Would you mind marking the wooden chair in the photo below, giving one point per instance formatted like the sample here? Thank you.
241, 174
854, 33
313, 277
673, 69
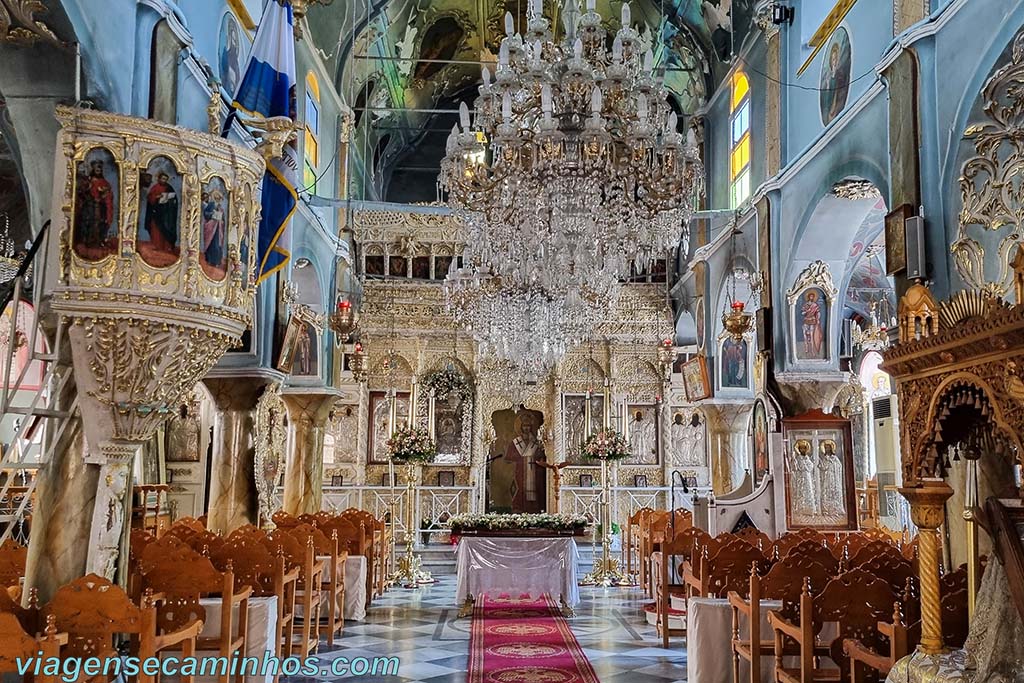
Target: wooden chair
756, 538
303, 638
787, 541
265, 573
379, 538
634, 525
660, 524
885, 561
19, 645
183, 577
333, 585
93, 611
714, 574
355, 540
679, 546
282, 520
783, 582
855, 601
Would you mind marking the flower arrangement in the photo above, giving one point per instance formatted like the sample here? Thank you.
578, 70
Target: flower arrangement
501, 522
607, 444
448, 381
411, 444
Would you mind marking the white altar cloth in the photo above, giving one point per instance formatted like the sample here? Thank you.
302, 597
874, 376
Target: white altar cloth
259, 636
709, 638
496, 565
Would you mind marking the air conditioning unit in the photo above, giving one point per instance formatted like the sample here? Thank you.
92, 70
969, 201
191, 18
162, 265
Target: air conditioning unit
887, 435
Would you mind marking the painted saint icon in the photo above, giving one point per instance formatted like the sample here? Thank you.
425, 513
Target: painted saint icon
835, 75
231, 54
213, 255
812, 316
734, 364
159, 198
97, 205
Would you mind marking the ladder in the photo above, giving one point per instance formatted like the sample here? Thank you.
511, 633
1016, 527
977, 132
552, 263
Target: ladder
32, 380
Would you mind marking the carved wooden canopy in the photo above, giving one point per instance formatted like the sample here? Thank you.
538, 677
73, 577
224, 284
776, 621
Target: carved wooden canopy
970, 367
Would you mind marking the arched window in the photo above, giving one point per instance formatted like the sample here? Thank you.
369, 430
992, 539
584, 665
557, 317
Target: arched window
311, 149
739, 142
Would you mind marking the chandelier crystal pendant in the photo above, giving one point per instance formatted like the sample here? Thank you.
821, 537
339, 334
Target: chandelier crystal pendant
570, 174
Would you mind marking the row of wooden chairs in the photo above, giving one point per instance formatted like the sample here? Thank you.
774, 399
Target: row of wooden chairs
711, 567
359, 533
90, 617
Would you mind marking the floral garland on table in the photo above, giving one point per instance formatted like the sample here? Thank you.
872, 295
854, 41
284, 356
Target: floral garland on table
447, 381
606, 444
411, 444
495, 522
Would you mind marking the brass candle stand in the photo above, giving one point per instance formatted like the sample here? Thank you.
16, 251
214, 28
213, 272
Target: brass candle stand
410, 574
606, 570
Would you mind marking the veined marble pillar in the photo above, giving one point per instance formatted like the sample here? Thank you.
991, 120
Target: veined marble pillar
727, 444
927, 510
303, 470
232, 480
111, 514
62, 515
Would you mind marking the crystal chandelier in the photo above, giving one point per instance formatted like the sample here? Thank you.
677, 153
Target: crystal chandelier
571, 171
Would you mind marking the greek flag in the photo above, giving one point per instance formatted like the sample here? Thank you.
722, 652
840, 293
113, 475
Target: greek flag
268, 89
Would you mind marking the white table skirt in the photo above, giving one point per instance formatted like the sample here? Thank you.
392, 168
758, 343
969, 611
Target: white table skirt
709, 641
496, 565
259, 636
355, 588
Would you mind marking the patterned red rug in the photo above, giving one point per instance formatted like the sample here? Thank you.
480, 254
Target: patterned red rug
524, 640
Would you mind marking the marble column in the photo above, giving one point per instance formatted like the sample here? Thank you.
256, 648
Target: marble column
111, 511
62, 513
928, 511
727, 444
303, 470
232, 480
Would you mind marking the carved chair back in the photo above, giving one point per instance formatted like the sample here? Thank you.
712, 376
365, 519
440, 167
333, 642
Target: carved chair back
856, 601
21, 645
794, 538
283, 520
729, 568
91, 610
756, 538
812, 550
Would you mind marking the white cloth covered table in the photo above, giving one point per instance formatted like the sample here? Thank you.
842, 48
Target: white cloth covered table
355, 588
709, 641
496, 565
259, 636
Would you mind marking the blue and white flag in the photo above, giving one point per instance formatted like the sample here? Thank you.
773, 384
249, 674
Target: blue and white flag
268, 89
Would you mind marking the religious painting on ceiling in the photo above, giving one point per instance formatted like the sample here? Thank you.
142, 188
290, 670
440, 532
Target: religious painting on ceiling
380, 422
689, 446
642, 434
213, 256
233, 49
759, 434
811, 313
97, 205
576, 430
159, 205
819, 472
735, 363
835, 75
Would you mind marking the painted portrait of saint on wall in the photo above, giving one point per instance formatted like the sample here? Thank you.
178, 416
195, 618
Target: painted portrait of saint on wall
835, 75
574, 412
232, 53
734, 364
97, 205
159, 211
760, 439
811, 315
695, 379
213, 253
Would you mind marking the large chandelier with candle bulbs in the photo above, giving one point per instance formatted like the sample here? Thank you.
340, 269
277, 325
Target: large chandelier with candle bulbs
569, 175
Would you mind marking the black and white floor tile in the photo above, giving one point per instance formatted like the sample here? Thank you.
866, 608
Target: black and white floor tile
421, 628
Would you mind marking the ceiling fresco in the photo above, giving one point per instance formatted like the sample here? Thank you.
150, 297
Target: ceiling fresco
405, 65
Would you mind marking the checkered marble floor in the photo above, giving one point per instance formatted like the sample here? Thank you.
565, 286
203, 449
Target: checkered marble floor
421, 628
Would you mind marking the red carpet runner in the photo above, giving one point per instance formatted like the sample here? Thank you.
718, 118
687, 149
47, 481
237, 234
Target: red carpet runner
524, 640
